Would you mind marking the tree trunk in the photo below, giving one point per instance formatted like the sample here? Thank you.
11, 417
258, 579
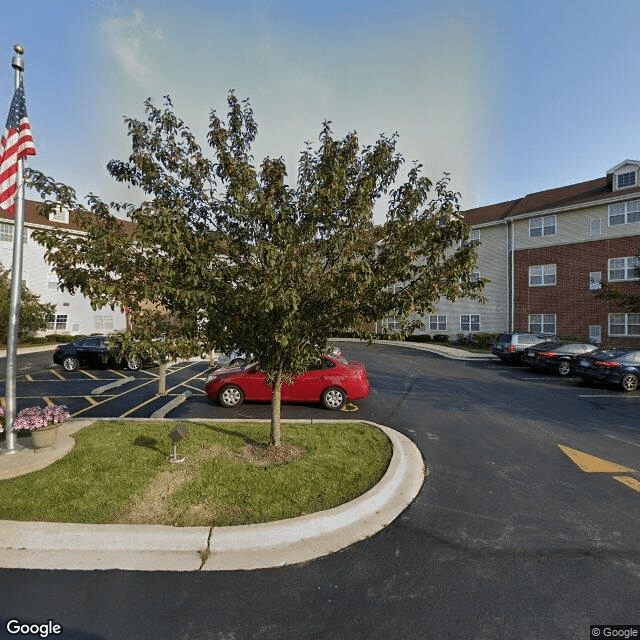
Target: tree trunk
275, 409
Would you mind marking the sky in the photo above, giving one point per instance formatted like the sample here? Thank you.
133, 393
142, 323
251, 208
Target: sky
509, 97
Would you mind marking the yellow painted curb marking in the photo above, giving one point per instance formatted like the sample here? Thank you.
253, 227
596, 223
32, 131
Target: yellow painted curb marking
592, 464
630, 482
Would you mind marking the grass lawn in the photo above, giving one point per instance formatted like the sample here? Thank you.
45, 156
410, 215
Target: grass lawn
118, 472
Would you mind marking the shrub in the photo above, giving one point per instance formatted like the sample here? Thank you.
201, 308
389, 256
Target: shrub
424, 337
441, 337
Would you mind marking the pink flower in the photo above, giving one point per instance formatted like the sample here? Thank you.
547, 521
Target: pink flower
37, 418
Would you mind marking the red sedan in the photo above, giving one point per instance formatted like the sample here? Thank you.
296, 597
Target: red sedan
333, 381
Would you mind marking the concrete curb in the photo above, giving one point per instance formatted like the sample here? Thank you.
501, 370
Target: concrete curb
171, 405
45, 545
112, 385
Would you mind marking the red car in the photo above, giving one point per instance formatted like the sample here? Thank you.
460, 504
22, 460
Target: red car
333, 381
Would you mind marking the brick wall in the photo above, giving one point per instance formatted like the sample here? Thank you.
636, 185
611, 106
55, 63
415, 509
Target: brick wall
575, 306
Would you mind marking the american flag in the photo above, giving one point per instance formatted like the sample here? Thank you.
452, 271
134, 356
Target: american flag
16, 144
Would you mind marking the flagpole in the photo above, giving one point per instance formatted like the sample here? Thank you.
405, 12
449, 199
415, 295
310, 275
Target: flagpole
16, 286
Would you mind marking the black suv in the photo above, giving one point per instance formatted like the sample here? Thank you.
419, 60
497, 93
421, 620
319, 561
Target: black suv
510, 345
93, 352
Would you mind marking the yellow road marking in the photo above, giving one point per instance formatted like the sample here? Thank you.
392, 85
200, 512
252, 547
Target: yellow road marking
28, 377
117, 373
57, 374
91, 400
630, 482
48, 401
592, 464
89, 375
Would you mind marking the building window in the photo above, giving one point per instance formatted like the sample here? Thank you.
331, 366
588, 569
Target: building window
52, 284
627, 179
545, 226
624, 324
542, 323
474, 235
624, 269
595, 334
6, 233
470, 322
58, 324
624, 212
437, 323
542, 275
595, 227
595, 280
103, 324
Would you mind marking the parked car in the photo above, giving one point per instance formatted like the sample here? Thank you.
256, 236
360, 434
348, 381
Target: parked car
332, 381
234, 358
558, 357
619, 366
510, 345
94, 352
238, 358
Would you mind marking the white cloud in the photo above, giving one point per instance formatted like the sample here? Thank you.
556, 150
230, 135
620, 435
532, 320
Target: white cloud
129, 40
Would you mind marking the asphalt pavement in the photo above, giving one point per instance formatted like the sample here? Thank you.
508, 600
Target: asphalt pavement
44, 545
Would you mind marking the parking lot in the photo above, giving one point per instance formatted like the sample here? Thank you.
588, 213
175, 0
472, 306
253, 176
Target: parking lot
122, 393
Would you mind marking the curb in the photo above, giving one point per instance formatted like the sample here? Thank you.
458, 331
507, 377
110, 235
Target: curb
46, 545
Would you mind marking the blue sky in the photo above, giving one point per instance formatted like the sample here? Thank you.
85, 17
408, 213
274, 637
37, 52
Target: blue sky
509, 97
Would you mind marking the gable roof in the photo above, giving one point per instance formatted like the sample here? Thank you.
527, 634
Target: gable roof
32, 216
588, 192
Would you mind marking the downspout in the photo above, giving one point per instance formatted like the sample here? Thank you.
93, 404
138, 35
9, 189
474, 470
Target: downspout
513, 275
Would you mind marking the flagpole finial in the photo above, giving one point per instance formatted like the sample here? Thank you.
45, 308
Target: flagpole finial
17, 62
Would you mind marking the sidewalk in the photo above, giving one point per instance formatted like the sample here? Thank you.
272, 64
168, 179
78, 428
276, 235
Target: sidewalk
452, 353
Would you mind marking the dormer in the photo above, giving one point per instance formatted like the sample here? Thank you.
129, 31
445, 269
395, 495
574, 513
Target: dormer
624, 175
59, 215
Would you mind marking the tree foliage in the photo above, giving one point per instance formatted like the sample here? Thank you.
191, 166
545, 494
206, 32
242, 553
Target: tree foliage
34, 314
229, 254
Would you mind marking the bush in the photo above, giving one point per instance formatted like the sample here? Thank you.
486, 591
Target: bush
424, 337
441, 337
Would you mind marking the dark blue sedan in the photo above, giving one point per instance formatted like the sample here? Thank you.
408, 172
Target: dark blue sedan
620, 366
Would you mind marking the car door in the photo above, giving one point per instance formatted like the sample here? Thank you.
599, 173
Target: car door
253, 383
89, 352
307, 386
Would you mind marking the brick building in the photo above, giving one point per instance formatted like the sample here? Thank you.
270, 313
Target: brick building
547, 254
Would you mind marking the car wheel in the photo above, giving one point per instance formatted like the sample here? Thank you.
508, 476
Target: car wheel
564, 368
70, 363
238, 362
333, 398
230, 396
134, 363
629, 382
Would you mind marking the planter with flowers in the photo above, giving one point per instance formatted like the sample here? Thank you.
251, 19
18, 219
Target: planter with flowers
43, 424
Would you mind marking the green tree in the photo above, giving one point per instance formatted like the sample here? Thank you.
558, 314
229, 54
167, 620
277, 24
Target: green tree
233, 256
34, 314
